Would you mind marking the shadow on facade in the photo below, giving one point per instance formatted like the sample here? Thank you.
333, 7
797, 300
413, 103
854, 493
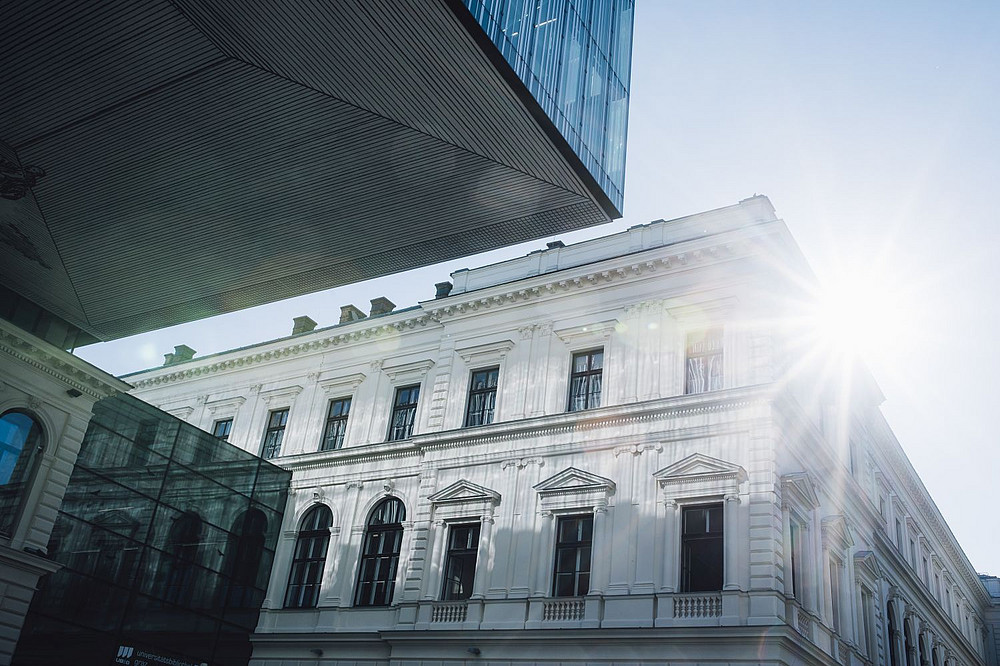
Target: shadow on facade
166, 538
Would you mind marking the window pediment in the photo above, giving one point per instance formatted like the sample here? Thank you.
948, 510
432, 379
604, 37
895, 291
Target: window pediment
462, 500
800, 489
285, 394
482, 354
225, 406
574, 488
462, 492
342, 383
837, 533
700, 475
587, 334
407, 372
866, 563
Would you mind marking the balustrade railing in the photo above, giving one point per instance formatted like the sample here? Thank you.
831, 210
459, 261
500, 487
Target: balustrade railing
698, 606
563, 610
450, 612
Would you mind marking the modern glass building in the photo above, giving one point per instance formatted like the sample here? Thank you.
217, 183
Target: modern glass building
165, 538
575, 57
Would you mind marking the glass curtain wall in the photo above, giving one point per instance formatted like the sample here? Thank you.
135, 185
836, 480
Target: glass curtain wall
165, 537
575, 57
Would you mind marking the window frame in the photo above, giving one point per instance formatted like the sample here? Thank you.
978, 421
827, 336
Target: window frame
330, 421
690, 355
381, 529
687, 540
27, 461
487, 414
407, 431
578, 547
319, 519
463, 555
587, 376
229, 431
278, 430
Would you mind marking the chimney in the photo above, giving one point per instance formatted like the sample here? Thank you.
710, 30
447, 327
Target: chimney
552, 245
381, 305
302, 324
181, 353
349, 313
442, 289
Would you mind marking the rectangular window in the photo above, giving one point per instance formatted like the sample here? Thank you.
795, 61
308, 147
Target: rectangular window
913, 553
482, 397
927, 581
937, 587
702, 549
574, 537
336, 424
404, 413
276, 423
795, 536
586, 380
222, 428
868, 622
704, 361
899, 534
460, 565
835, 594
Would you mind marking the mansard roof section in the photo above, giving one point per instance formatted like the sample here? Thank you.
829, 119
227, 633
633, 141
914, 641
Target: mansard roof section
754, 217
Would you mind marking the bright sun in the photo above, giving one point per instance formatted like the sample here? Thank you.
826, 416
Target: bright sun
868, 313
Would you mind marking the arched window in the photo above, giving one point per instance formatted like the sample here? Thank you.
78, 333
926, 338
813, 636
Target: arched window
310, 556
21, 439
380, 554
181, 570
244, 551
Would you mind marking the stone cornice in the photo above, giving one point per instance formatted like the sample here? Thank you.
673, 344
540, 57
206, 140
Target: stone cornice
925, 507
345, 335
72, 371
624, 269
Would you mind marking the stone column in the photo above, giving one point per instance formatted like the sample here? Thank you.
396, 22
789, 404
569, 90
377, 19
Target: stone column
599, 574
731, 542
671, 556
484, 560
543, 545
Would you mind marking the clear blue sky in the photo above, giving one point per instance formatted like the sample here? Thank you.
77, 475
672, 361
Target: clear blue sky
873, 127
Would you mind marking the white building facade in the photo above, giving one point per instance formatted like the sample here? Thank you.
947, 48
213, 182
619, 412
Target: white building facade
46, 399
620, 451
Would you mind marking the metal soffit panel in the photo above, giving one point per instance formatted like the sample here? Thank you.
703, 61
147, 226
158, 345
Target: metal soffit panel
193, 171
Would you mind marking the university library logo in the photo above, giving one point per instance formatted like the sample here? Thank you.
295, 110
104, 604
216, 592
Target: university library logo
124, 655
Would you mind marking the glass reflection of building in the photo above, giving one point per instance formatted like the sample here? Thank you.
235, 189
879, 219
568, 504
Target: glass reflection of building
165, 537
575, 57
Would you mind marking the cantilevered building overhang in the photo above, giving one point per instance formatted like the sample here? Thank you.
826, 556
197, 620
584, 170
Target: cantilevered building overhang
205, 156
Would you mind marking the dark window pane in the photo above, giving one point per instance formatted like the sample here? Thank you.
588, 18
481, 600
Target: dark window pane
482, 397
223, 428
404, 413
573, 551
702, 549
380, 554
585, 381
276, 423
310, 557
336, 424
